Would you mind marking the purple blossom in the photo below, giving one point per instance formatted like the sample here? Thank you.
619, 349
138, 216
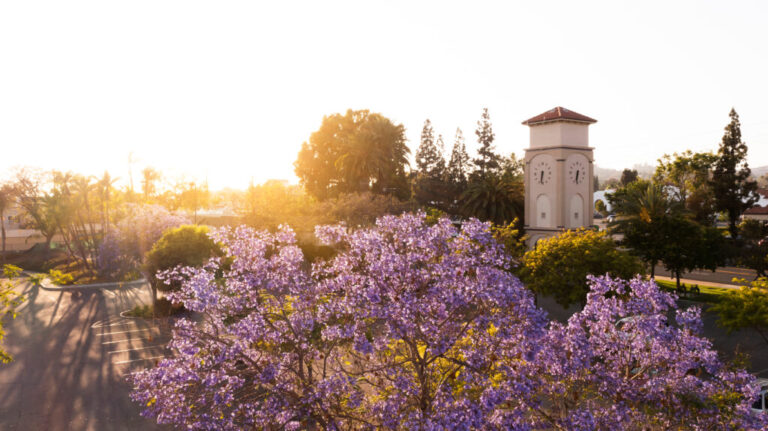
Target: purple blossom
423, 327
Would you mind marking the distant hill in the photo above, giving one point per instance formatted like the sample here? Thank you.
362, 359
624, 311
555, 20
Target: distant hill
759, 171
645, 171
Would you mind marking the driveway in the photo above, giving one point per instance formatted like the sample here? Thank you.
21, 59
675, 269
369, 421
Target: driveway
71, 354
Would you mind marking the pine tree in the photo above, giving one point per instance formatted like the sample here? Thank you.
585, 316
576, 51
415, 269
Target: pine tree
734, 191
459, 164
429, 160
487, 160
440, 166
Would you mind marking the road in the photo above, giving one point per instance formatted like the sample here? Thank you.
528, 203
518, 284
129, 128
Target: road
71, 355
723, 275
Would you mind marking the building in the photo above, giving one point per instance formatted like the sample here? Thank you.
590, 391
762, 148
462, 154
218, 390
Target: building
558, 174
760, 210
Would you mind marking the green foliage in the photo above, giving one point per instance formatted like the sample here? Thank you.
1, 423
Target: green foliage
559, 265
37, 279
433, 215
459, 164
360, 209
628, 176
657, 228
734, 191
493, 198
60, 278
429, 157
689, 174
746, 308
487, 161
11, 271
513, 239
186, 246
601, 208
688, 246
642, 209
753, 245
9, 301
356, 152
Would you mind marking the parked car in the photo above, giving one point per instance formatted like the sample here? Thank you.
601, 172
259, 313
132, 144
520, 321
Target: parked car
761, 403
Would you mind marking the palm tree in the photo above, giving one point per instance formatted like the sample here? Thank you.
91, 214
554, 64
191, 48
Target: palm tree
643, 209
105, 186
149, 177
494, 198
373, 155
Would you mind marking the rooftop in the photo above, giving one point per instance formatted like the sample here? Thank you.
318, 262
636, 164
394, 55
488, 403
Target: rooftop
559, 114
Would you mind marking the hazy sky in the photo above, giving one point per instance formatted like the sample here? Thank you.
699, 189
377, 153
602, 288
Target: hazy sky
229, 90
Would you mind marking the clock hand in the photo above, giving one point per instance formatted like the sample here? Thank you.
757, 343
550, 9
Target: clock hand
577, 176
542, 177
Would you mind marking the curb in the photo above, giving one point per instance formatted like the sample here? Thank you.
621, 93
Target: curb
46, 284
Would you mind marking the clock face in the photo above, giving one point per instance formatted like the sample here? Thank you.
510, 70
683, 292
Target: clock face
577, 172
542, 173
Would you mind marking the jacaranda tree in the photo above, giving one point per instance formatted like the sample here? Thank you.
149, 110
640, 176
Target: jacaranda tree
620, 364
414, 326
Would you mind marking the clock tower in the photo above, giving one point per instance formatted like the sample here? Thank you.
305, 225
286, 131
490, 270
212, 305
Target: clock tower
558, 174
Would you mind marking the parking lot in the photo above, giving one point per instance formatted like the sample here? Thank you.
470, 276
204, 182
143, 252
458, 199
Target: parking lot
72, 352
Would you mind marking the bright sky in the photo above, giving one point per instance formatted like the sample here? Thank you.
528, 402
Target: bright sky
228, 91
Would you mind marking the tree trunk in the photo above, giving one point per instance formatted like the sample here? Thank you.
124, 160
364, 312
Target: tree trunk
677, 276
653, 270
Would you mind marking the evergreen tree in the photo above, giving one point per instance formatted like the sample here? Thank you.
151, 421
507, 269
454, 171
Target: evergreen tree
628, 176
459, 164
430, 188
440, 167
487, 160
429, 159
734, 191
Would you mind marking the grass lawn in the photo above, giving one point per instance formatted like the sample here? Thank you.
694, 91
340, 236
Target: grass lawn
708, 293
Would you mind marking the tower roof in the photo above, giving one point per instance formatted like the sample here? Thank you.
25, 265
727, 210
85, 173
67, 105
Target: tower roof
558, 114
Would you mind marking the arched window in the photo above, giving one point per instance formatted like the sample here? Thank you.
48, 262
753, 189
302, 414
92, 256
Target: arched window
576, 215
544, 212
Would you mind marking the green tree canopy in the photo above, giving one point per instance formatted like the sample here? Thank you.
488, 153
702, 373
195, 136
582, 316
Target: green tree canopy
559, 265
355, 152
734, 191
746, 308
187, 245
459, 164
753, 245
641, 209
628, 176
9, 302
689, 175
487, 161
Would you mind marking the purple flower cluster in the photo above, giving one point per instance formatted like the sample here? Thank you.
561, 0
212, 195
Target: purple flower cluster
413, 326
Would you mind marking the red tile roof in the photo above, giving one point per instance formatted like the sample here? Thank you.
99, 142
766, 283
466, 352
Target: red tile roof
756, 210
558, 114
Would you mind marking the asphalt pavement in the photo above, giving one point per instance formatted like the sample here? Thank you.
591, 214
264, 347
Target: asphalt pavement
72, 351
723, 275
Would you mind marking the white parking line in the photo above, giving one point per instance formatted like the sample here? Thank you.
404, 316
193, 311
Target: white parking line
137, 348
135, 360
125, 332
127, 339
